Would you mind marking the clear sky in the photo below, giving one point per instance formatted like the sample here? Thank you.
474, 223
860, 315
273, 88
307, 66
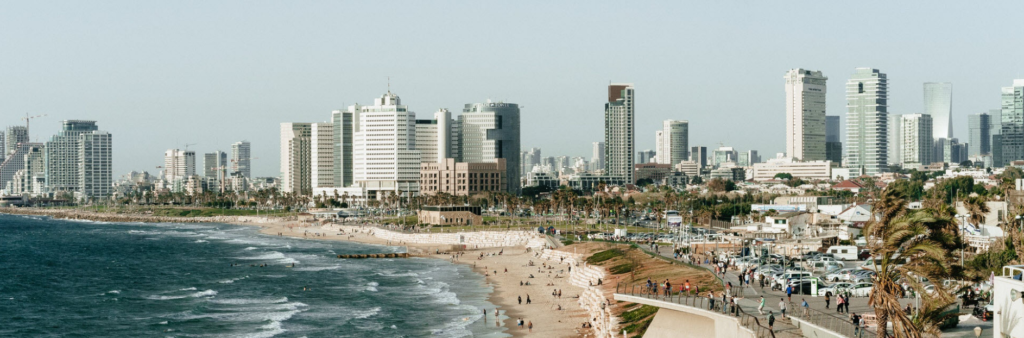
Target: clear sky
159, 75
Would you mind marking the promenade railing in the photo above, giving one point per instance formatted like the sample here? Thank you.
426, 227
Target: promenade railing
841, 324
704, 303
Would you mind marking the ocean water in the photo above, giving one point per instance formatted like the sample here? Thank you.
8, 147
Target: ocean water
92, 279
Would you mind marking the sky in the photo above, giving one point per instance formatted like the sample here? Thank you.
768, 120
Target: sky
160, 75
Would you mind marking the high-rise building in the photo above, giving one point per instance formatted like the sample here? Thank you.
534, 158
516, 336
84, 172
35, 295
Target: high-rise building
724, 155
753, 157
14, 135
344, 130
296, 161
79, 160
240, 159
895, 139
384, 148
659, 146
867, 121
3, 148
619, 135
979, 127
179, 165
1012, 139
938, 102
699, 155
674, 142
530, 159
917, 140
833, 142
646, 156
321, 156
597, 157
805, 114
434, 138
215, 166
490, 130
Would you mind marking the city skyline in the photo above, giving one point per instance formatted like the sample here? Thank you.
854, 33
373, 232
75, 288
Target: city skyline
78, 73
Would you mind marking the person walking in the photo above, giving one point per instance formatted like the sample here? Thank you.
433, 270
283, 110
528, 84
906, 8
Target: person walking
530, 326
807, 307
789, 294
528, 299
520, 300
856, 324
760, 307
771, 321
846, 304
782, 307
828, 297
839, 304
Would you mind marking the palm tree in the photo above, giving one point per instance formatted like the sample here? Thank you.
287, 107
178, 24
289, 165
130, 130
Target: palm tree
921, 240
977, 208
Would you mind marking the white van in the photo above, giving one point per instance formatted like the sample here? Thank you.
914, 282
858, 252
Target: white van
844, 252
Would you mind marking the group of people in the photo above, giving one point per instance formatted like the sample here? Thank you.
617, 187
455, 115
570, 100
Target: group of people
842, 302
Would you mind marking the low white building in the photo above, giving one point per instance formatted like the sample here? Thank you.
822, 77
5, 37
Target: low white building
808, 170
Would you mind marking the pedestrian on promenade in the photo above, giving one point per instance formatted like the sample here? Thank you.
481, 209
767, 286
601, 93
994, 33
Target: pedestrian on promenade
687, 286
846, 303
760, 307
806, 307
856, 324
789, 293
771, 321
711, 300
828, 297
839, 304
782, 307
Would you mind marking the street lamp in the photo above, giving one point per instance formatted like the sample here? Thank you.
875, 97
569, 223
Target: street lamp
963, 237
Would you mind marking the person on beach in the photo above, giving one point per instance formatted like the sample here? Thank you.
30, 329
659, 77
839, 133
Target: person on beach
530, 326
528, 299
520, 297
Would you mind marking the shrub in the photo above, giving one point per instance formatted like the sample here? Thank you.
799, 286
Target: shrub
604, 255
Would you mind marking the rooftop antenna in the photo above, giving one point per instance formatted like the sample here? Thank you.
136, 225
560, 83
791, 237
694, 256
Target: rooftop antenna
389, 84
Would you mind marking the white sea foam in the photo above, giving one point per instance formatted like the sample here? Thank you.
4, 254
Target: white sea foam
114, 292
266, 256
206, 293
251, 248
201, 241
229, 281
246, 301
366, 313
319, 268
188, 289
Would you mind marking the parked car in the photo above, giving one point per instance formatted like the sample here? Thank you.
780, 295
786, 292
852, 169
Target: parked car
861, 289
863, 277
838, 275
835, 288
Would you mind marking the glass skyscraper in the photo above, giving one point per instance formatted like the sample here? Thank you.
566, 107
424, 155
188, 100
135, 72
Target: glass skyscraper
1012, 135
867, 121
938, 102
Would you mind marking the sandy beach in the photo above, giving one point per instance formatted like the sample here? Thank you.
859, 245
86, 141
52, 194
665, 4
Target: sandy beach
507, 270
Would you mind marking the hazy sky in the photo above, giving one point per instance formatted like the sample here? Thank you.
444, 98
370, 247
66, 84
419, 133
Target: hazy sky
161, 74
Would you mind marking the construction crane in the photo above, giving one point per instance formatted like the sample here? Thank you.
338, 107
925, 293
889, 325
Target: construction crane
28, 118
189, 144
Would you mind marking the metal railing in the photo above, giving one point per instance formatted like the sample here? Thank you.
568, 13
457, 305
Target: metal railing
704, 303
842, 325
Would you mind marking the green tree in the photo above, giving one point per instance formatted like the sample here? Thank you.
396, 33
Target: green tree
784, 176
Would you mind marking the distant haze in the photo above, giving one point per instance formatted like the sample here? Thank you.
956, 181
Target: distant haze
158, 75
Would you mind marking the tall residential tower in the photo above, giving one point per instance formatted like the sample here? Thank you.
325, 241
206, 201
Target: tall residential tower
619, 133
867, 121
805, 114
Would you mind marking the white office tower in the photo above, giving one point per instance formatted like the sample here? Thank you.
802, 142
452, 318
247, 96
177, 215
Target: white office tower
296, 163
14, 135
867, 121
597, 156
23, 172
179, 165
895, 138
490, 131
1012, 134
531, 158
434, 137
619, 141
938, 102
321, 155
917, 140
674, 142
384, 150
805, 114
215, 168
3, 149
79, 160
240, 159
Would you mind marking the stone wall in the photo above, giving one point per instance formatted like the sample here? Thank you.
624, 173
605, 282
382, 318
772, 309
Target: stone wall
592, 299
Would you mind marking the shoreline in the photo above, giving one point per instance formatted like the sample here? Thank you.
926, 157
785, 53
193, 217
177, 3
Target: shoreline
547, 319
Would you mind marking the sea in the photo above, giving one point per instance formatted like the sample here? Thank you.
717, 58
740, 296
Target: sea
61, 278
